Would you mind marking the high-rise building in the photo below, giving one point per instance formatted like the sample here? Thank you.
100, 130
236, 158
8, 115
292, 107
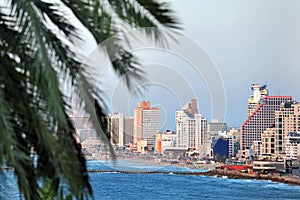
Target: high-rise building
116, 128
129, 130
214, 129
261, 118
82, 124
287, 120
233, 146
190, 127
146, 121
258, 91
234, 141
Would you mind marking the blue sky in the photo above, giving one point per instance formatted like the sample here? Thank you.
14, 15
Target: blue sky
249, 41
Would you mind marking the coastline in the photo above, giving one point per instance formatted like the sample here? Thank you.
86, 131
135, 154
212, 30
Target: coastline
240, 175
218, 173
211, 171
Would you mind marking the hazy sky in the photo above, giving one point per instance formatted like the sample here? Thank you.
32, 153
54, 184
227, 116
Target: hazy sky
249, 41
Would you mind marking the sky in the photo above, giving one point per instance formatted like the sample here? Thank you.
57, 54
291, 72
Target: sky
244, 42
250, 42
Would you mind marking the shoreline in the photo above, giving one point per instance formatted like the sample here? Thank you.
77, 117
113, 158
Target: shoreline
211, 171
217, 173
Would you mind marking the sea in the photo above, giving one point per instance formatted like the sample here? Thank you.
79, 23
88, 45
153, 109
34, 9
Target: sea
169, 186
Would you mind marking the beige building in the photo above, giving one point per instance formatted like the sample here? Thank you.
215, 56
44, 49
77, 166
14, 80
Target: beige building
191, 128
268, 144
129, 121
82, 124
234, 132
287, 119
116, 128
142, 146
146, 122
260, 119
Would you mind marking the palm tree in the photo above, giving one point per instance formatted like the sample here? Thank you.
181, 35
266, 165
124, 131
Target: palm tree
37, 50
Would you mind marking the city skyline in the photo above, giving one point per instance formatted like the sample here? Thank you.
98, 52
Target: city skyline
166, 125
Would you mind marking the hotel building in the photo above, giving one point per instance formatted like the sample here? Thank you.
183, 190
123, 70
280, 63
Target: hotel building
261, 115
190, 127
287, 120
146, 122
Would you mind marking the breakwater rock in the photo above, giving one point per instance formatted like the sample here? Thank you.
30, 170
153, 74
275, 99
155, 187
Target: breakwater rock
218, 173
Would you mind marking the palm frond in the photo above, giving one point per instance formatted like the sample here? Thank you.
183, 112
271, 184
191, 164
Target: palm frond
38, 50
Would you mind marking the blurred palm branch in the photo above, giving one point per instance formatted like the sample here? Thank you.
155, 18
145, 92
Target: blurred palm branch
39, 48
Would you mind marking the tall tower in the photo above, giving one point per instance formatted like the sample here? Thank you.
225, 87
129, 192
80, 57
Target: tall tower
287, 119
129, 130
214, 129
190, 127
261, 115
82, 123
116, 128
146, 121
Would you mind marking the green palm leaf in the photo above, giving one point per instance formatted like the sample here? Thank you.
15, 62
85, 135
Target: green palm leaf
39, 49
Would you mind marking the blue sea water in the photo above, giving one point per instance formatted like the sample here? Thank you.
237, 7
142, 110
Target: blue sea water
112, 185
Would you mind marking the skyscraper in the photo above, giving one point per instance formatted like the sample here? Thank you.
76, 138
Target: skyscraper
287, 120
190, 127
260, 117
214, 128
82, 124
146, 121
129, 130
116, 128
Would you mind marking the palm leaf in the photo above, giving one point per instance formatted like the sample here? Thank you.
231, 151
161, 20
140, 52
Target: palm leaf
38, 50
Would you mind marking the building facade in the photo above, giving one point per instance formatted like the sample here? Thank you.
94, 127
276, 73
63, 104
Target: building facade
190, 127
258, 91
214, 130
287, 120
268, 144
82, 124
260, 119
129, 121
146, 122
116, 128
293, 146
215, 127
